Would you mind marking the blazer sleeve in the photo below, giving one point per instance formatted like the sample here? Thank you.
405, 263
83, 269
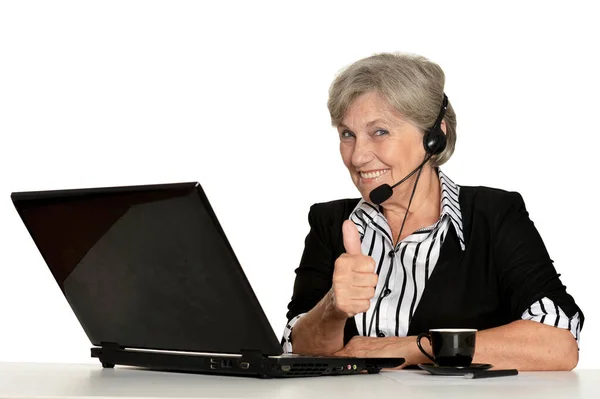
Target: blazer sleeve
526, 273
315, 273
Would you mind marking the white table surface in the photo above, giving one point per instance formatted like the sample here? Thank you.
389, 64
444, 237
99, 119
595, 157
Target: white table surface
36, 380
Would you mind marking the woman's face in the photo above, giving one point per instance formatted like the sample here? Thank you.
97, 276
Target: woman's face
377, 145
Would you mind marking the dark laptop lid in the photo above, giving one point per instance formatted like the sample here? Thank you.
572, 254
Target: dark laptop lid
147, 267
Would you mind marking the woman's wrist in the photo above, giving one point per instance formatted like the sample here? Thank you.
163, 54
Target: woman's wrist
415, 356
330, 312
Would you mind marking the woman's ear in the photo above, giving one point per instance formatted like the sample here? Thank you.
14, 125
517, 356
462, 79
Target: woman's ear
443, 126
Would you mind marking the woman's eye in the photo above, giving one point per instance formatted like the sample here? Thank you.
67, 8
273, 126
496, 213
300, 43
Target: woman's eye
346, 134
381, 132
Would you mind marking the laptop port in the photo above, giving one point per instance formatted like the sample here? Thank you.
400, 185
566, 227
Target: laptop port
339, 368
286, 368
226, 364
244, 365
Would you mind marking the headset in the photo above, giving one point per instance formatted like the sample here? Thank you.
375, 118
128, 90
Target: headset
434, 141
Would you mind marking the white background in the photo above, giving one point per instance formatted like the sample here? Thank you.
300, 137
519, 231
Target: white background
233, 95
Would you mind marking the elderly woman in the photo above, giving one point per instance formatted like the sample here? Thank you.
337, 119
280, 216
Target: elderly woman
427, 253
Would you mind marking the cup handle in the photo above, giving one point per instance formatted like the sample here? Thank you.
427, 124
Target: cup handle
421, 336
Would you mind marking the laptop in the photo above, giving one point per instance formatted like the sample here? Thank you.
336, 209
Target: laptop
154, 282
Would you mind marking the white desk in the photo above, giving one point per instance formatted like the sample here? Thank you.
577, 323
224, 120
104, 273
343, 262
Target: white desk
31, 380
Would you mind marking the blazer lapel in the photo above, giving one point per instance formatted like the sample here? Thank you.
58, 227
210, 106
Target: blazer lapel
450, 258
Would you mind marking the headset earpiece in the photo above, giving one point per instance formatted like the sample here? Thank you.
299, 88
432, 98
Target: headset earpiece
434, 139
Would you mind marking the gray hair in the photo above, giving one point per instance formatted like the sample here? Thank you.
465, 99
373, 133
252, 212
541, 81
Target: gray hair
412, 84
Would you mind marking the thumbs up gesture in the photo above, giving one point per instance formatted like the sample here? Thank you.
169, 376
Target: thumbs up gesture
354, 277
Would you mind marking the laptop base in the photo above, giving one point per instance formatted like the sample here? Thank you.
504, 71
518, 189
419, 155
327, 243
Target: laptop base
249, 364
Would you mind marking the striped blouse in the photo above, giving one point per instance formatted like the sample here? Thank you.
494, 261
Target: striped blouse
403, 273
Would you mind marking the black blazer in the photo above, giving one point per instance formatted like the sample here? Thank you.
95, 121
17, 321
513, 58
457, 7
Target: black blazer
504, 269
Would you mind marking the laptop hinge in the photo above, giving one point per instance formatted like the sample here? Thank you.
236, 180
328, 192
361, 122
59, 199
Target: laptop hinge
252, 355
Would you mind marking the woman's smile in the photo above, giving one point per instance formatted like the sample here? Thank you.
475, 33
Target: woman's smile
370, 176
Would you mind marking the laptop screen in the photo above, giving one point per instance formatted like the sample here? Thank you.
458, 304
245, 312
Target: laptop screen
147, 267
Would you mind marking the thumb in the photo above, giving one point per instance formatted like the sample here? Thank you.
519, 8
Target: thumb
351, 238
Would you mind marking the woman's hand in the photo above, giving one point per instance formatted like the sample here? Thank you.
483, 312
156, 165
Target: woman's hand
321, 330
405, 347
354, 277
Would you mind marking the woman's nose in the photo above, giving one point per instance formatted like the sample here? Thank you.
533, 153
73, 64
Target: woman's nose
362, 154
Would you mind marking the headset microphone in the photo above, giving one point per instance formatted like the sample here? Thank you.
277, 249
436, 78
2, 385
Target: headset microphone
382, 193
434, 141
